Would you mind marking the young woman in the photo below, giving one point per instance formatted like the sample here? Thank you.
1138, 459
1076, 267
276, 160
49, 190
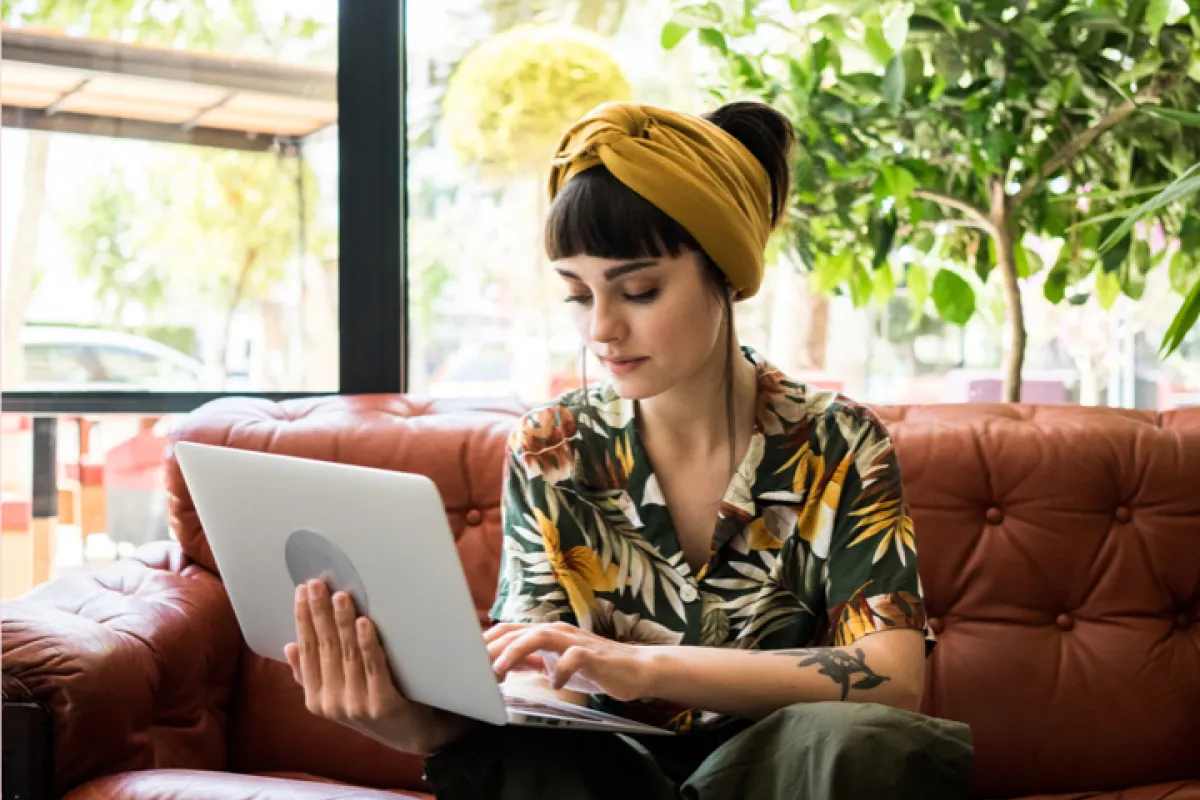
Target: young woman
716, 548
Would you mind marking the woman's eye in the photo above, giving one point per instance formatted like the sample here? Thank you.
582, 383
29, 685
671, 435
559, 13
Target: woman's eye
578, 298
644, 297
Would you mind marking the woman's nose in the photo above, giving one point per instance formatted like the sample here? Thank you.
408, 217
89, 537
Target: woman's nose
606, 324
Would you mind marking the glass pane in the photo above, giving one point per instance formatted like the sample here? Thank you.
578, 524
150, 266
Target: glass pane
110, 476
169, 216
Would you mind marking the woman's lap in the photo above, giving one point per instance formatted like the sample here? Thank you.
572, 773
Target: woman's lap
803, 752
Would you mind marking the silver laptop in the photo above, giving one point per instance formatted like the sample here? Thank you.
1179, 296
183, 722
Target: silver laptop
275, 521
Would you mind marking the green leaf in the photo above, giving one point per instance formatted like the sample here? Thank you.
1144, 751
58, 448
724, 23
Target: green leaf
672, 34
985, 258
954, 297
1133, 283
714, 39
860, 284
1183, 117
1184, 321
917, 280
1186, 184
1182, 271
885, 236
1156, 15
1108, 288
1115, 256
895, 25
899, 181
1056, 285
883, 285
1020, 260
877, 45
938, 88
893, 83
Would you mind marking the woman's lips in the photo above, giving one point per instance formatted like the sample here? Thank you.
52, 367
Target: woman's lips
624, 366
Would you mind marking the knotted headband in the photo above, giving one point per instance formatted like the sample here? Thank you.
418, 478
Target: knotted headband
687, 167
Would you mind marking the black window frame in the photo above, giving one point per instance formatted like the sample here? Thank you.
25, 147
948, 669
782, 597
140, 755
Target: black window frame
372, 227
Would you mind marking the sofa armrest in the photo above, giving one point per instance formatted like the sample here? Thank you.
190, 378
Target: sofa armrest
28, 767
135, 663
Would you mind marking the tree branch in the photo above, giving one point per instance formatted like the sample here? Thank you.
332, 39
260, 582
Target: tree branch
976, 217
935, 224
1080, 142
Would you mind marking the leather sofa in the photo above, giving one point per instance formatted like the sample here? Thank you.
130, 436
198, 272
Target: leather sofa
1059, 550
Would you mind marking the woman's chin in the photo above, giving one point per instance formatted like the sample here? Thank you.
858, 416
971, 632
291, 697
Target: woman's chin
633, 387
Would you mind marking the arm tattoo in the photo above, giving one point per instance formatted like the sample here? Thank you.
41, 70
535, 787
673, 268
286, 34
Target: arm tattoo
837, 665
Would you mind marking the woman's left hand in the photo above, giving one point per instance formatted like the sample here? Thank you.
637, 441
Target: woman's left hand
622, 671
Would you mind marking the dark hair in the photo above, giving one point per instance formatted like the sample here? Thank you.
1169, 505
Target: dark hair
597, 215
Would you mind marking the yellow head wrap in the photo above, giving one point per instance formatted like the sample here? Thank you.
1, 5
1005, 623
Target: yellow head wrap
690, 169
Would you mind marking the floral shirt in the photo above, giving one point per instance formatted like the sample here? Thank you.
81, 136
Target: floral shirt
813, 544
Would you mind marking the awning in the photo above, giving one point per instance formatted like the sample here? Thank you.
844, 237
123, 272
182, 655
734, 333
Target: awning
53, 82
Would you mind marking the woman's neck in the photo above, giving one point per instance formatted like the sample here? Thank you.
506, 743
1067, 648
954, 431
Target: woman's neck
690, 418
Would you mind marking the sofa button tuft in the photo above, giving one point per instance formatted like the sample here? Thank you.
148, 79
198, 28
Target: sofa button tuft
1065, 622
474, 517
994, 515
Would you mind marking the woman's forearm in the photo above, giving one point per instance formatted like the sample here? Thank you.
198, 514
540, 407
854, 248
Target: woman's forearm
885, 668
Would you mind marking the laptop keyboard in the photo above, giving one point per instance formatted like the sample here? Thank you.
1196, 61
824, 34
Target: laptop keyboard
533, 705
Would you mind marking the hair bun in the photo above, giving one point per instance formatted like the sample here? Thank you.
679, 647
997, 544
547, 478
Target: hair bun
769, 136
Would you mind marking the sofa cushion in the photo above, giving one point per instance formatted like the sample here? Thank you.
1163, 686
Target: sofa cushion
185, 784
1185, 790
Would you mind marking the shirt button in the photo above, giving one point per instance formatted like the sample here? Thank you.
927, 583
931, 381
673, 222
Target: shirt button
688, 593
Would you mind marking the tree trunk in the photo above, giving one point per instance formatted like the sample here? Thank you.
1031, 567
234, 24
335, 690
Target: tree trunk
239, 288
1014, 318
22, 263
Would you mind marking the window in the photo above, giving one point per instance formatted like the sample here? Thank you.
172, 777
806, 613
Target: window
170, 177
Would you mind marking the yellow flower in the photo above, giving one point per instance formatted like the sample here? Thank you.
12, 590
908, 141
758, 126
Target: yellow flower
578, 570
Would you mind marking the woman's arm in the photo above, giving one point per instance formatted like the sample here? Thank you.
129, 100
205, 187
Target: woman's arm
886, 667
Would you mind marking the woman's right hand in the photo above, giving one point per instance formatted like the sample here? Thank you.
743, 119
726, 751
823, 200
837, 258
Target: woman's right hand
341, 664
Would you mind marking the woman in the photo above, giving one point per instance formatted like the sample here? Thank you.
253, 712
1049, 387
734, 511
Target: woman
712, 546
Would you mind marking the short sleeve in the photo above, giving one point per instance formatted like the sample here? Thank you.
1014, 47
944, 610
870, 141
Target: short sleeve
528, 589
873, 584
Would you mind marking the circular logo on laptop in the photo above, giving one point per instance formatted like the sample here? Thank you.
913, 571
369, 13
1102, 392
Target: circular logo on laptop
310, 555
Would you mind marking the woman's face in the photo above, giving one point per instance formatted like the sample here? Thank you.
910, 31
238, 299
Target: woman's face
652, 322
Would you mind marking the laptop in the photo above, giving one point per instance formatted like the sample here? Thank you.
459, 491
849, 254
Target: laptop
276, 521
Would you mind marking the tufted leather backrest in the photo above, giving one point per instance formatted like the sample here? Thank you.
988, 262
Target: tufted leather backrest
1059, 549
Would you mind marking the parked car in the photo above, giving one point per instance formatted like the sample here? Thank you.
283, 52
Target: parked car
63, 358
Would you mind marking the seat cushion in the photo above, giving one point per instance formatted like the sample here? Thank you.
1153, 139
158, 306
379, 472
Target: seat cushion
190, 784
1178, 790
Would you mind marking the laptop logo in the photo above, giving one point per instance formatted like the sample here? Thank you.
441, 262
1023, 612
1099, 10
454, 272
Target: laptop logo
310, 555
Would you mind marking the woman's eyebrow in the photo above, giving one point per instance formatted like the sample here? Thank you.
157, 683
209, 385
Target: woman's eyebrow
612, 273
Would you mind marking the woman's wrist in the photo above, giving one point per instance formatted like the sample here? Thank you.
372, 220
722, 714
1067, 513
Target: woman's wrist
657, 669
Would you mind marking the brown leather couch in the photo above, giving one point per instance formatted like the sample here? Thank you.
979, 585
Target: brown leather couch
1060, 553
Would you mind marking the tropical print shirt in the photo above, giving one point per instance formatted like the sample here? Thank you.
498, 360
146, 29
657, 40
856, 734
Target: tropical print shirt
813, 544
